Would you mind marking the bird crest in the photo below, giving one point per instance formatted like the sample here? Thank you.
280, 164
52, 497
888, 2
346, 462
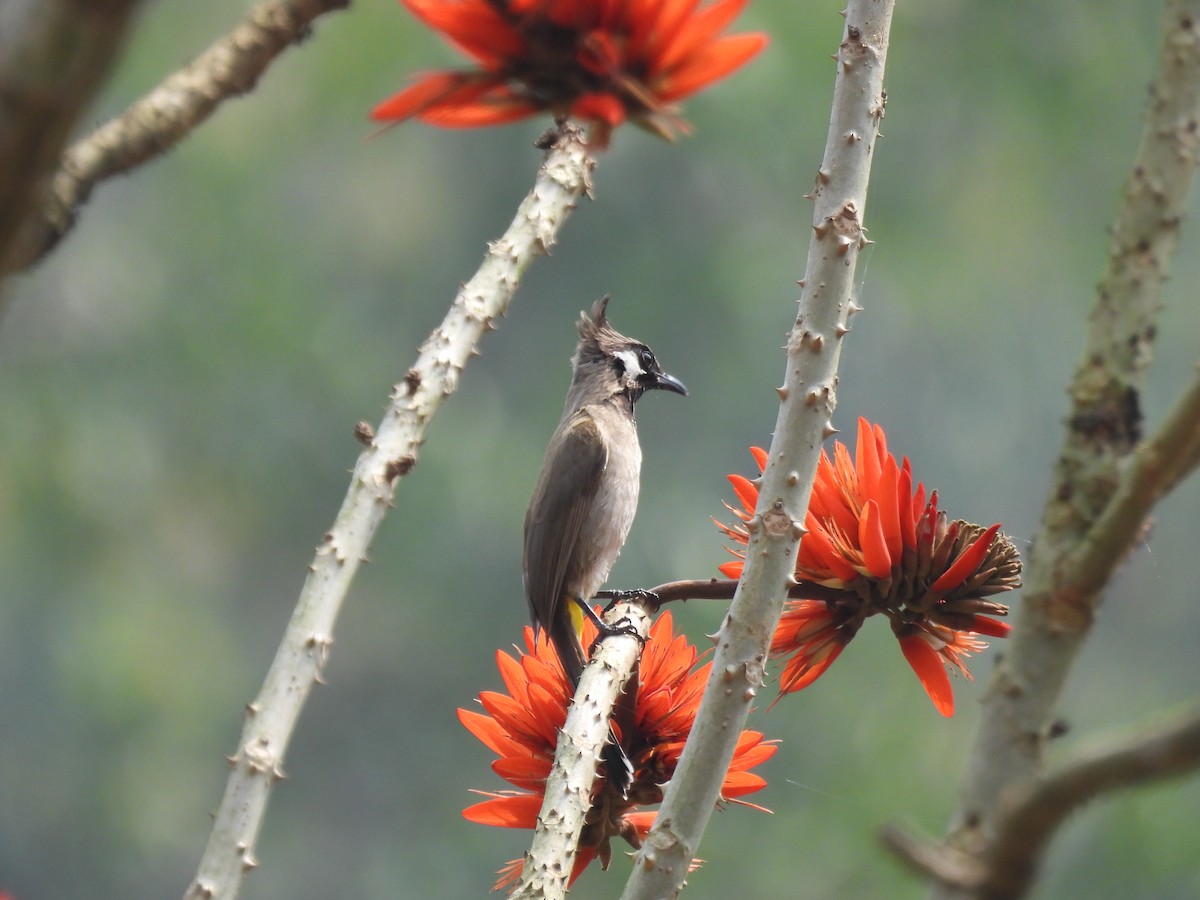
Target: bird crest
598, 339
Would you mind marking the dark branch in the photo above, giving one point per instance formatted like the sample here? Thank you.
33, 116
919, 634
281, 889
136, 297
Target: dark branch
166, 115
723, 589
54, 55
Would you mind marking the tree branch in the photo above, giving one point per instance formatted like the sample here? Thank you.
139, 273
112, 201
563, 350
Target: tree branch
391, 453
165, 116
54, 54
720, 589
807, 399
1157, 465
1091, 491
1024, 831
568, 794
938, 861
1025, 827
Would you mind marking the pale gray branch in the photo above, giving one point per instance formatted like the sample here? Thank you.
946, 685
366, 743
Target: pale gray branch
807, 399
1099, 476
937, 861
568, 794
1025, 828
1027, 823
166, 115
1156, 465
1185, 467
392, 451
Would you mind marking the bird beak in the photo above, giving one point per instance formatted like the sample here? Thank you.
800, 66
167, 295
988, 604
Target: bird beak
665, 382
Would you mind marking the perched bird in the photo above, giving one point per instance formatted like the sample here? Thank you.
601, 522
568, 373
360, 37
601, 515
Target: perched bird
587, 492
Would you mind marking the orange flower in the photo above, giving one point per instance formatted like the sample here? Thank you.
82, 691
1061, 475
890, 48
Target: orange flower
603, 61
874, 545
521, 728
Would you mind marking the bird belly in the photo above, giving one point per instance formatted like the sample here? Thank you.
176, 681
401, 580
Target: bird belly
608, 521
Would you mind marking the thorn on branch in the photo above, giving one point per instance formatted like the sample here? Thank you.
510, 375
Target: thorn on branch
398, 468
412, 381
364, 433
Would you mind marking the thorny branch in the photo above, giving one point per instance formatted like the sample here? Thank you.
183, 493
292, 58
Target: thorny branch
807, 399
568, 795
391, 452
54, 55
1106, 479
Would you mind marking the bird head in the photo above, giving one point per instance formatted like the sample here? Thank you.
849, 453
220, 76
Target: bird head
607, 361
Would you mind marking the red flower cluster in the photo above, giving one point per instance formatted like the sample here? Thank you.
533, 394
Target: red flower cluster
521, 728
602, 61
884, 549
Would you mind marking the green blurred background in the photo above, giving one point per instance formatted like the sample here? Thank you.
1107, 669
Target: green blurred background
179, 383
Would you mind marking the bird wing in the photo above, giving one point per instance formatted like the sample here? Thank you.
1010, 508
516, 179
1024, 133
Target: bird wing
570, 477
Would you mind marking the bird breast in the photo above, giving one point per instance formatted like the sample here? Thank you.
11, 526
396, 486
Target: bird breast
611, 514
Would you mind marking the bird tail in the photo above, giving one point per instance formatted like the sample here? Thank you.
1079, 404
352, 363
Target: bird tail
564, 635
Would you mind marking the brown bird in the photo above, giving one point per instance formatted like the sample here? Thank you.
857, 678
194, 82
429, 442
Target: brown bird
587, 491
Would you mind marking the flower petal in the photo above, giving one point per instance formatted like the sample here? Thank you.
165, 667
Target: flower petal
473, 26
506, 811
528, 772
697, 31
991, 627
867, 464
489, 732
499, 109
874, 545
890, 502
927, 664
746, 492
430, 89
968, 561
806, 667
738, 784
711, 64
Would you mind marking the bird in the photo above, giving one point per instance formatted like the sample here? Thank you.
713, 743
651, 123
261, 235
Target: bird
586, 493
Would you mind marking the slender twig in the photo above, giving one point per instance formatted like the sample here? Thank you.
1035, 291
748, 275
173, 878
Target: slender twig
719, 589
807, 399
1028, 822
551, 855
1092, 490
54, 55
391, 453
167, 114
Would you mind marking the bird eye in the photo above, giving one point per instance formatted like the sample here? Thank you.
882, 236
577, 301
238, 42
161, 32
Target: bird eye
647, 360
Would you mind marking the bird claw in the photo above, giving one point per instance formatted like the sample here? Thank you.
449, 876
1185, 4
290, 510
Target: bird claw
622, 627
615, 597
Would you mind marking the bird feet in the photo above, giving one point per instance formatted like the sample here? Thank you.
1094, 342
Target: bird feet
622, 626
615, 597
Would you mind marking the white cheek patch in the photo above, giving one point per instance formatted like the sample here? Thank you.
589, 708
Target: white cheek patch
632, 363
